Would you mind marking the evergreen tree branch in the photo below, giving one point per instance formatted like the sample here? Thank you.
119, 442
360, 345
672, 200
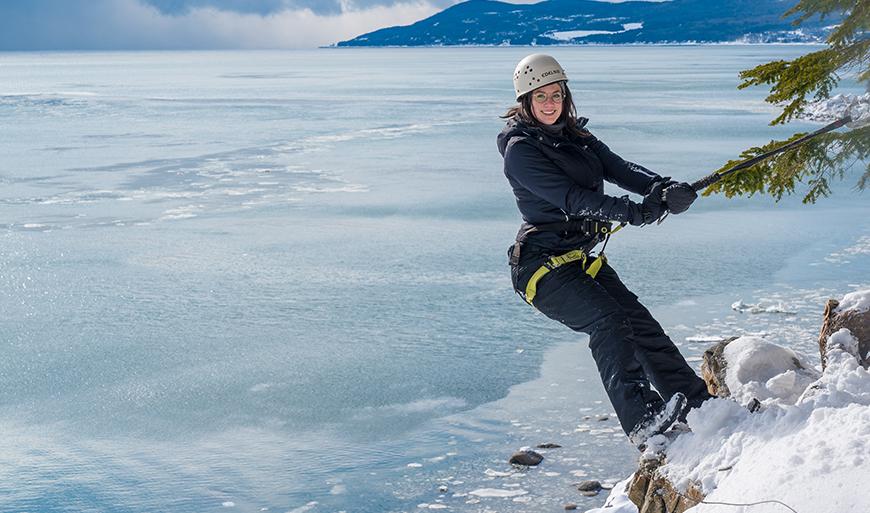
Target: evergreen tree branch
814, 164
852, 25
811, 77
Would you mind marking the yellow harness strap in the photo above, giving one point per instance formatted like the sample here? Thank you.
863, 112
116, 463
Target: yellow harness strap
558, 261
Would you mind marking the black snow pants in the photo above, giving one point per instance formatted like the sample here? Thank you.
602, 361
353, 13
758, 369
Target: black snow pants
629, 346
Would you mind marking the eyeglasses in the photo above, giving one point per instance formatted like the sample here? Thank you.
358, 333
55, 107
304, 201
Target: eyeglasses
557, 97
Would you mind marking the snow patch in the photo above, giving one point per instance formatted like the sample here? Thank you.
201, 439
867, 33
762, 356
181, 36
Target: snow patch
497, 492
184, 212
261, 387
761, 307
791, 445
861, 247
839, 106
617, 501
420, 406
843, 339
568, 35
303, 509
844, 382
858, 301
706, 338
762, 370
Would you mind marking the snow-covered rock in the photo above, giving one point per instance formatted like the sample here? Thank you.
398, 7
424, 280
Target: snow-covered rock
847, 324
749, 367
809, 447
762, 370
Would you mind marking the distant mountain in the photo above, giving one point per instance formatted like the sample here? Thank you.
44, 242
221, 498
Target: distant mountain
559, 22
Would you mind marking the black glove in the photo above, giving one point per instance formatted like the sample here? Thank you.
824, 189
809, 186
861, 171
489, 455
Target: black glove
653, 207
635, 215
661, 185
679, 197
647, 212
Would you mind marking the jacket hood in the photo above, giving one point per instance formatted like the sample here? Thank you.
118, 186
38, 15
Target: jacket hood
512, 128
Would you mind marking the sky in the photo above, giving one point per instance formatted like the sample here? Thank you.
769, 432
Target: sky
200, 24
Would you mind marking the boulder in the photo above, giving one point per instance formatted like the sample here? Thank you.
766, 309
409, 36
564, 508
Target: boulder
856, 320
652, 493
589, 488
526, 457
713, 369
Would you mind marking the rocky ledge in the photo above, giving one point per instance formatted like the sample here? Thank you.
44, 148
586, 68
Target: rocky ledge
758, 374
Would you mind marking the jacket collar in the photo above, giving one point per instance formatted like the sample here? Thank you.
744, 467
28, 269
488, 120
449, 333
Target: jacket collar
518, 128
549, 136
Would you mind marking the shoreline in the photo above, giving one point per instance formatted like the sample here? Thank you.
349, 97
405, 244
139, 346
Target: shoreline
562, 404
578, 45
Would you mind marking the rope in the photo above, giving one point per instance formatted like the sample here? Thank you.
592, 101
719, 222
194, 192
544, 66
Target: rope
737, 504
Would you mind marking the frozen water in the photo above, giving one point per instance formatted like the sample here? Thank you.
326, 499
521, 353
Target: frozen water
244, 276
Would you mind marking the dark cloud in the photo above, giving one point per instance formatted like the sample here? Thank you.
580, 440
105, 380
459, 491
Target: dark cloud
261, 7
266, 7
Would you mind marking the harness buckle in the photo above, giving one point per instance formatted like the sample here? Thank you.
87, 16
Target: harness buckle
598, 229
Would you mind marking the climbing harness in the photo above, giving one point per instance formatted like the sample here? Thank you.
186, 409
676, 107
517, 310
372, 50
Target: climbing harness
599, 230
558, 261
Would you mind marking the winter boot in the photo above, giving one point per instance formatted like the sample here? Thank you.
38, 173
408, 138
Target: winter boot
658, 422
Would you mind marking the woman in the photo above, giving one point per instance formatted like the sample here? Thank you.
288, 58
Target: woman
556, 169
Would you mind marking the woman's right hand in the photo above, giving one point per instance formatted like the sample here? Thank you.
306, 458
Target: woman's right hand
647, 212
652, 208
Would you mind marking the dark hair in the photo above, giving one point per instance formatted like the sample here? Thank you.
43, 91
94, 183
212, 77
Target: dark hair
523, 110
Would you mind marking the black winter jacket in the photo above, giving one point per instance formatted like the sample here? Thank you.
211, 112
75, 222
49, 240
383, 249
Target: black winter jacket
559, 176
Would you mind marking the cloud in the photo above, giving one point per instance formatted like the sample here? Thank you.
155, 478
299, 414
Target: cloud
197, 24
266, 7
262, 7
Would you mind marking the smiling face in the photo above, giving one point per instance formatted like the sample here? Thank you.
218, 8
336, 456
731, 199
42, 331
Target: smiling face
548, 111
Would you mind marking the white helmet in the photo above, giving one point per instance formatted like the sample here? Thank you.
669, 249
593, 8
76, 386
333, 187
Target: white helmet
536, 70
